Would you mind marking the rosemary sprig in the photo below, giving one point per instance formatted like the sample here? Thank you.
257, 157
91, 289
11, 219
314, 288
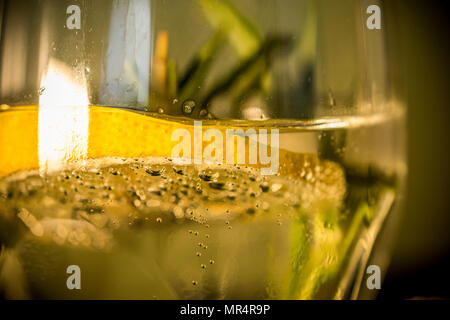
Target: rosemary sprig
243, 77
243, 35
251, 74
198, 69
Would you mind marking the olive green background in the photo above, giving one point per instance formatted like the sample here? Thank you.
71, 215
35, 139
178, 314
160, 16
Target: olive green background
420, 39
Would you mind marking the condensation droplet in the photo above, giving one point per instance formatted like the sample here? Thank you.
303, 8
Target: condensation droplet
188, 106
331, 99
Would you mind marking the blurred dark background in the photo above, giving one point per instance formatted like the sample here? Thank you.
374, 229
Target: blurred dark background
421, 261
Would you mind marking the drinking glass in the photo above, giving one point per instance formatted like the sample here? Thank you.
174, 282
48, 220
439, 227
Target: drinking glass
197, 149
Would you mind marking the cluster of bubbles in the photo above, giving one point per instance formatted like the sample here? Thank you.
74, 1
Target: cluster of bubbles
86, 203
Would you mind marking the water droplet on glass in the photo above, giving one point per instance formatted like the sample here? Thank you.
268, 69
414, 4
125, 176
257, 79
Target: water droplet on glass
331, 99
178, 212
188, 106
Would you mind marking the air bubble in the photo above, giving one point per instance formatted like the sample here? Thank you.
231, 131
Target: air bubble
188, 107
178, 212
178, 170
217, 185
264, 186
154, 172
137, 203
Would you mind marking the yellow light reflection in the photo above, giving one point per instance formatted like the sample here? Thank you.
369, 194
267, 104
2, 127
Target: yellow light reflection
63, 124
